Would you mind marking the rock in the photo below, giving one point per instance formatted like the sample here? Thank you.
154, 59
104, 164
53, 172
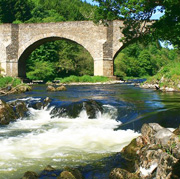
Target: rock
92, 108
46, 101
30, 175
73, 110
149, 130
7, 113
23, 88
49, 168
61, 88
165, 166
119, 173
21, 109
51, 88
130, 151
66, 175
36, 105
70, 173
177, 131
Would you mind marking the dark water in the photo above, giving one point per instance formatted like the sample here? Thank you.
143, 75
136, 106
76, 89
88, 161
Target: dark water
135, 106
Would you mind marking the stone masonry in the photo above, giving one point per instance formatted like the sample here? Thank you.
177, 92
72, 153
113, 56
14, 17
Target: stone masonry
17, 41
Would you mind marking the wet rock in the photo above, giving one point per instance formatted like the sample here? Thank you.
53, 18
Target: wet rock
36, 105
50, 88
92, 108
21, 109
165, 166
7, 113
73, 110
130, 151
156, 154
119, 173
30, 175
61, 88
49, 168
70, 173
46, 101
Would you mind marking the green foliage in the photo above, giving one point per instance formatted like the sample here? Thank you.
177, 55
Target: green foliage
85, 78
41, 70
64, 57
138, 59
15, 10
137, 13
168, 76
5, 81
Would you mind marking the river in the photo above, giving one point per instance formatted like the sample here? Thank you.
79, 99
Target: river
38, 140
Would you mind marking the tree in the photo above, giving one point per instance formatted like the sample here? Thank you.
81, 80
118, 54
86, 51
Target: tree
136, 15
12, 10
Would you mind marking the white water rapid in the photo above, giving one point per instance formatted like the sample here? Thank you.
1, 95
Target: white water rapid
39, 140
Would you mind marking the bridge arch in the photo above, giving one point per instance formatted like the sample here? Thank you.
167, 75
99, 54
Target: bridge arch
35, 42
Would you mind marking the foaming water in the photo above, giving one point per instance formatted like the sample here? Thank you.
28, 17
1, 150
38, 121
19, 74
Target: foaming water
39, 140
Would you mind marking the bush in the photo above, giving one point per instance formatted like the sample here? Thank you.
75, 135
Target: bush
85, 78
5, 81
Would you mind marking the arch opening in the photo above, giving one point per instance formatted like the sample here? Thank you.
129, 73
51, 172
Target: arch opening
140, 59
55, 57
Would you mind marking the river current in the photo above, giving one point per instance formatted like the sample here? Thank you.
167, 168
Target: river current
39, 140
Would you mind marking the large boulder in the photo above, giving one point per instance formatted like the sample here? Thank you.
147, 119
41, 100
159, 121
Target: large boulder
7, 114
155, 154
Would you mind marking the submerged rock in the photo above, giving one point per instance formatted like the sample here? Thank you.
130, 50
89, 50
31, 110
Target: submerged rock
30, 175
70, 173
49, 168
73, 110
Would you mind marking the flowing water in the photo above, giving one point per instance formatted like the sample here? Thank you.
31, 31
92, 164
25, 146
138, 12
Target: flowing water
38, 140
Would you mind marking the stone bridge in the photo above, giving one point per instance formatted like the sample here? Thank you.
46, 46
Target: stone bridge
17, 41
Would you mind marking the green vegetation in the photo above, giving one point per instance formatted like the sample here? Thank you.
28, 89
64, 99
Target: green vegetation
85, 78
59, 59
9, 81
137, 14
168, 76
139, 59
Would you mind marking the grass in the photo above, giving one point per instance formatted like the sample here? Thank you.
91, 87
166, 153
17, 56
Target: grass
5, 81
85, 78
168, 76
